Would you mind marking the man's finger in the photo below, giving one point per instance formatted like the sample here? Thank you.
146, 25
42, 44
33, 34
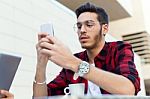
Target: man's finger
42, 35
53, 39
47, 52
43, 40
47, 46
6, 93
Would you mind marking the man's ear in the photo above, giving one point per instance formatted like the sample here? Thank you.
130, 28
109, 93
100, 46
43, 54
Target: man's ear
104, 29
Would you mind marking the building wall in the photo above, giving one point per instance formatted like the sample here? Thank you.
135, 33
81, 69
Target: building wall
146, 7
20, 21
126, 4
137, 61
132, 24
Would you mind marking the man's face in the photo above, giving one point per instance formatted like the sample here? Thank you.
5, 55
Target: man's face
89, 30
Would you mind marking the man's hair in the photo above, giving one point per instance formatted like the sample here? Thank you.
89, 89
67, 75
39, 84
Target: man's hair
88, 7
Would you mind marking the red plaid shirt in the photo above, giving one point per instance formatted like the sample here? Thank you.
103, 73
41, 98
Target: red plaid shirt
115, 57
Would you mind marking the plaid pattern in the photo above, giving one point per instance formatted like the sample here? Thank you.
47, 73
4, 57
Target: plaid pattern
116, 57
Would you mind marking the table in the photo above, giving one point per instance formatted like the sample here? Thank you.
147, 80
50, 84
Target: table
95, 97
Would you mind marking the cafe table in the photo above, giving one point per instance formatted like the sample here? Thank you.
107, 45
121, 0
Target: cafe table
94, 97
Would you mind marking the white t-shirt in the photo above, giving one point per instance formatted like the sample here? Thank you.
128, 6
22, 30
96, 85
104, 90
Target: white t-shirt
93, 89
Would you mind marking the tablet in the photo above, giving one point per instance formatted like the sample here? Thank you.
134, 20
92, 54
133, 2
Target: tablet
8, 67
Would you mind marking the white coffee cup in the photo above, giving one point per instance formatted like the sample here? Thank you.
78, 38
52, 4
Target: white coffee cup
75, 89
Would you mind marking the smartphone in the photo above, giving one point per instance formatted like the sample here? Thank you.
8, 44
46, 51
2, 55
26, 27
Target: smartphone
48, 28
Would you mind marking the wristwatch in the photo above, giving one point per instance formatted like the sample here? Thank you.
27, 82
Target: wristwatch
83, 69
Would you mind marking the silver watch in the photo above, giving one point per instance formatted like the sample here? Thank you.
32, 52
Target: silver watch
84, 68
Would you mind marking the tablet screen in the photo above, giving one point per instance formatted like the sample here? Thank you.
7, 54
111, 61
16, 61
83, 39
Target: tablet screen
8, 68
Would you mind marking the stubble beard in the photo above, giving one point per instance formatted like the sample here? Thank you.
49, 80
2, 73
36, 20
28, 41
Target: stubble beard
97, 39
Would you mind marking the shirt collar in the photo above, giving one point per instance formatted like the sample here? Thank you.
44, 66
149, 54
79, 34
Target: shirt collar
101, 55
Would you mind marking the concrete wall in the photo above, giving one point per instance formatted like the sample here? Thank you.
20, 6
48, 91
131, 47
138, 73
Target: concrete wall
126, 4
20, 21
146, 7
137, 61
132, 24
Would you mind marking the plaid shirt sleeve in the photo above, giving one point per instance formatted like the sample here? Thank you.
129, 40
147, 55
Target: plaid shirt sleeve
125, 64
56, 86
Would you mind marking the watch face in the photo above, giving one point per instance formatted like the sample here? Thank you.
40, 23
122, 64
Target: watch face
83, 68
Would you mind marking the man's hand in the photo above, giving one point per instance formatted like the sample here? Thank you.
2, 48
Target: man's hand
7, 94
59, 54
42, 58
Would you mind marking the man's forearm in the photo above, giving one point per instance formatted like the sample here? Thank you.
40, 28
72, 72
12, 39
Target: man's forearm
39, 90
39, 85
113, 83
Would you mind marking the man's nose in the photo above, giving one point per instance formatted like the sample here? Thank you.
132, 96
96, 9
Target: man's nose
83, 29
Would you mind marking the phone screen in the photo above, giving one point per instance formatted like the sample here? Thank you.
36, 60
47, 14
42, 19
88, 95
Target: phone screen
48, 28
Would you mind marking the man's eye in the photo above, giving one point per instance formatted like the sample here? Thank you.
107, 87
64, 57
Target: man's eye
89, 25
79, 26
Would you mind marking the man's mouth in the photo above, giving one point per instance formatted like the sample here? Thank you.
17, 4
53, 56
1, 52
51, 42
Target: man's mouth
83, 38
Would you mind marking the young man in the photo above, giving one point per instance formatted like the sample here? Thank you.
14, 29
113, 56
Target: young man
105, 68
